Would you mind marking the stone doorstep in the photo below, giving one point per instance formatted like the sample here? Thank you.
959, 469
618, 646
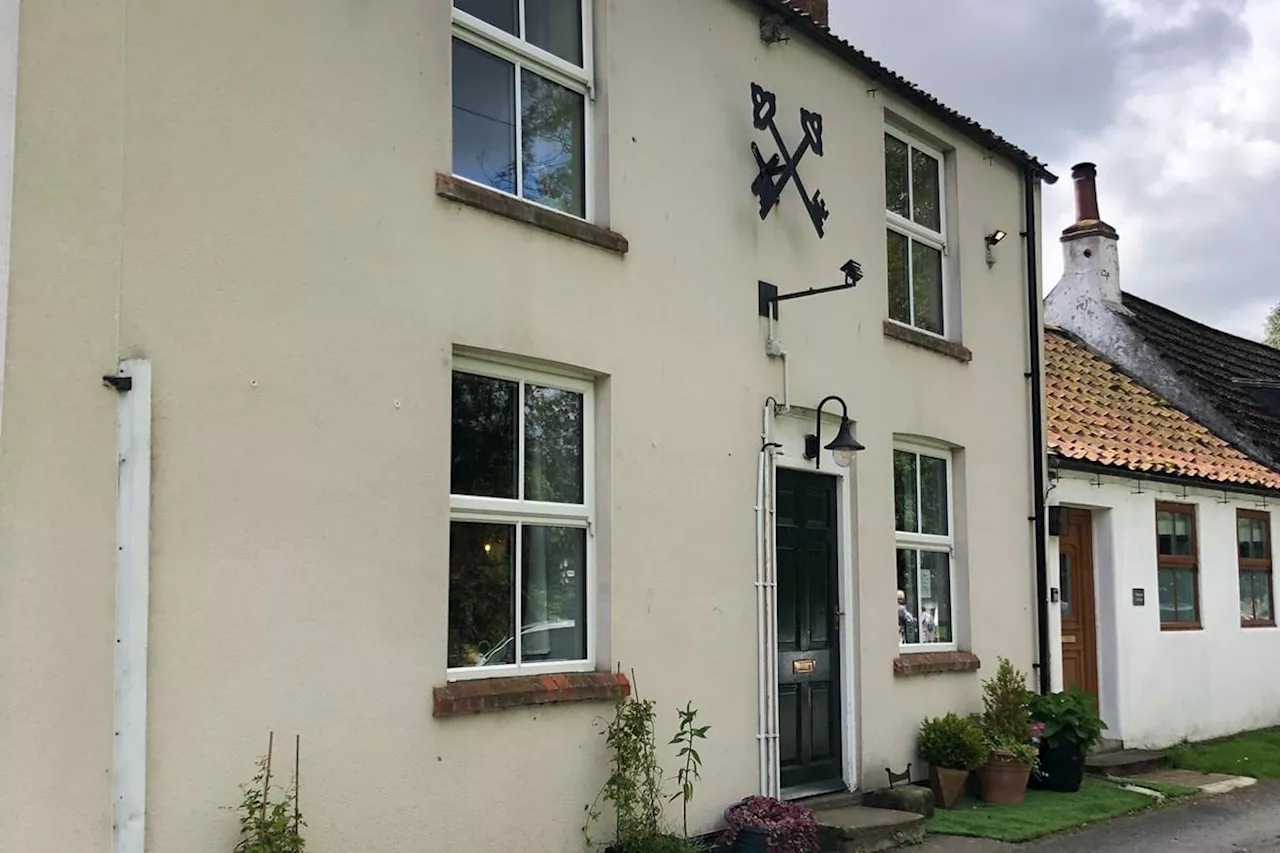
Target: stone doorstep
861, 829
1208, 783
1126, 762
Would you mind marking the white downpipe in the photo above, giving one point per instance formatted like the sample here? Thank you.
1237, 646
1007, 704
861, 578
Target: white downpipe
133, 559
762, 721
771, 623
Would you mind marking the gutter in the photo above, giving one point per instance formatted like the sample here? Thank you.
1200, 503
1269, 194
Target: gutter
1186, 482
801, 22
1034, 349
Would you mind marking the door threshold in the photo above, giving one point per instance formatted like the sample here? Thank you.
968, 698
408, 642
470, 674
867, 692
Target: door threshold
814, 789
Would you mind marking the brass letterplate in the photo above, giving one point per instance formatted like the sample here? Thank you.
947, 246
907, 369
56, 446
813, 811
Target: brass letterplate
800, 667
1068, 638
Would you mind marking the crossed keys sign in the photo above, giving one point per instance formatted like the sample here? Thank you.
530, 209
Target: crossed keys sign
778, 170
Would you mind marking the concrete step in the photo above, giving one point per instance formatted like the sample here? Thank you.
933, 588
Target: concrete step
1126, 762
1109, 745
860, 829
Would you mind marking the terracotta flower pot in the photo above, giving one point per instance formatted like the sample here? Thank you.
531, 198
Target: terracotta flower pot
1004, 780
947, 785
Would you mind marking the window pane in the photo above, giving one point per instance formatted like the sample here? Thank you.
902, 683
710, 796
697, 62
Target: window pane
1186, 591
925, 190
933, 495
899, 277
500, 13
484, 118
906, 518
553, 572
896, 198
1244, 528
484, 436
935, 597
1259, 539
481, 602
1168, 608
1262, 594
1164, 532
908, 601
555, 26
1182, 525
551, 128
1064, 585
926, 286
1246, 596
552, 445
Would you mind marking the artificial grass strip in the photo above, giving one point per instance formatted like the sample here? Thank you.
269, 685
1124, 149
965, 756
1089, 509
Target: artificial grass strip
1256, 755
1042, 813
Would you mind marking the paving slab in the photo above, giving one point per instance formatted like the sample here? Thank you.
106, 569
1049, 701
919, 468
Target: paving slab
862, 829
1208, 783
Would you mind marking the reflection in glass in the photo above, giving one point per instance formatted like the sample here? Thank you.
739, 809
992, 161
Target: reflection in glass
552, 445
906, 518
1168, 606
933, 495
484, 436
553, 147
926, 274
555, 26
1064, 585
898, 248
925, 190
484, 122
896, 192
553, 596
481, 591
1186, 592
500, 13
924, 609
1182, 523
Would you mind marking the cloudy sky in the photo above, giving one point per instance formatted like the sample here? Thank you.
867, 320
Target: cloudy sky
1177, 101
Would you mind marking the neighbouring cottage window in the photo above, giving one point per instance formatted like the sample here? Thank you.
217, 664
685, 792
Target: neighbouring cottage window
922, 520
1177, 566
1253, 541
915, 233
521, 76
520, 521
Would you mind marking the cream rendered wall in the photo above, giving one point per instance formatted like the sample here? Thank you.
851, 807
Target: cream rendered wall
242, 193
1158, 687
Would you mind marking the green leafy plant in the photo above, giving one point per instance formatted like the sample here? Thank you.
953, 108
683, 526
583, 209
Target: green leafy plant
268, 826
1068, 718
687, 738
952, 742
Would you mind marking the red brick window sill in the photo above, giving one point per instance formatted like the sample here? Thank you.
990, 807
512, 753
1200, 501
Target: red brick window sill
520, 691
928, 663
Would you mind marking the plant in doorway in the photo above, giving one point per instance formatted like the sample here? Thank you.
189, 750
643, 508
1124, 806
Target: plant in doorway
952, 745
765, 824
1071, 728
1008, 731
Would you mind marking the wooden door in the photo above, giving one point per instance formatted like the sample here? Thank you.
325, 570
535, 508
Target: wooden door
809, 724
1075, 580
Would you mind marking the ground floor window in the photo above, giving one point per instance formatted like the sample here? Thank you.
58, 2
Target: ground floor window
1253, 543
1177, 564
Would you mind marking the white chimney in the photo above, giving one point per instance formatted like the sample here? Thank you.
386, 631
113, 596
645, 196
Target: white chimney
1091, 263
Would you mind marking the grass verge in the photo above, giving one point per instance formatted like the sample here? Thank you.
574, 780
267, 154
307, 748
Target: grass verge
1042, 813
1256, 754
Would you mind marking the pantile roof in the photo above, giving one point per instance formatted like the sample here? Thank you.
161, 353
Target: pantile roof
1098, 415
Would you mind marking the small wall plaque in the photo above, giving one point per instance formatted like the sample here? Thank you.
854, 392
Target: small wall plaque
1139, 597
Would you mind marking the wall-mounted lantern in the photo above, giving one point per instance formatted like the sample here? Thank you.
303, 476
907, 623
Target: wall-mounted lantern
842, 447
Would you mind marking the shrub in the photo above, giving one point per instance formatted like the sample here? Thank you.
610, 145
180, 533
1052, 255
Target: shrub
791, 828
1068, 718
1006, 702
953, 742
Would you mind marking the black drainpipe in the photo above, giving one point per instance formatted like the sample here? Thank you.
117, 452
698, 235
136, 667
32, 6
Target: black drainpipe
1030, 179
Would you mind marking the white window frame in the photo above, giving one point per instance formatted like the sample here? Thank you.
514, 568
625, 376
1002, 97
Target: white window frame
904, 540
913, 230
514, 511
514, 49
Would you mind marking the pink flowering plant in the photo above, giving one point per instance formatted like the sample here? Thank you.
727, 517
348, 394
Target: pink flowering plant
790, 828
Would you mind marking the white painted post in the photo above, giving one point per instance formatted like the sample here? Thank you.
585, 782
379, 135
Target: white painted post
133, 566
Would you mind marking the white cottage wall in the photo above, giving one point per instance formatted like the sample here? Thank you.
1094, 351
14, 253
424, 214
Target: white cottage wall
1159, 687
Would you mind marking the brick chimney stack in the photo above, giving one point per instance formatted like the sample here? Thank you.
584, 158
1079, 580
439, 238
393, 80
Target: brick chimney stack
817, 9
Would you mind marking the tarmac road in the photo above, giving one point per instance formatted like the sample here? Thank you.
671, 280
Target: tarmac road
1243, 821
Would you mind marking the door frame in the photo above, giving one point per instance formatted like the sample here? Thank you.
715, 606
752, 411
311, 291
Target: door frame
789, 431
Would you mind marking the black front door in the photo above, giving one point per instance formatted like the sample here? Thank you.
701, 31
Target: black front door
808, 630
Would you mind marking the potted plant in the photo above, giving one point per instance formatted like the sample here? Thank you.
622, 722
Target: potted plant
1007, 730
952, 746
1071, 728
767, 825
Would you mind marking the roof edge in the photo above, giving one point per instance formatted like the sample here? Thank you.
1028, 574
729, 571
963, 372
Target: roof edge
1058, 461
905, 89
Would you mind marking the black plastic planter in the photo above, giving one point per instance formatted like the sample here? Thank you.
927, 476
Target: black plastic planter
750, 840
1061, 768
